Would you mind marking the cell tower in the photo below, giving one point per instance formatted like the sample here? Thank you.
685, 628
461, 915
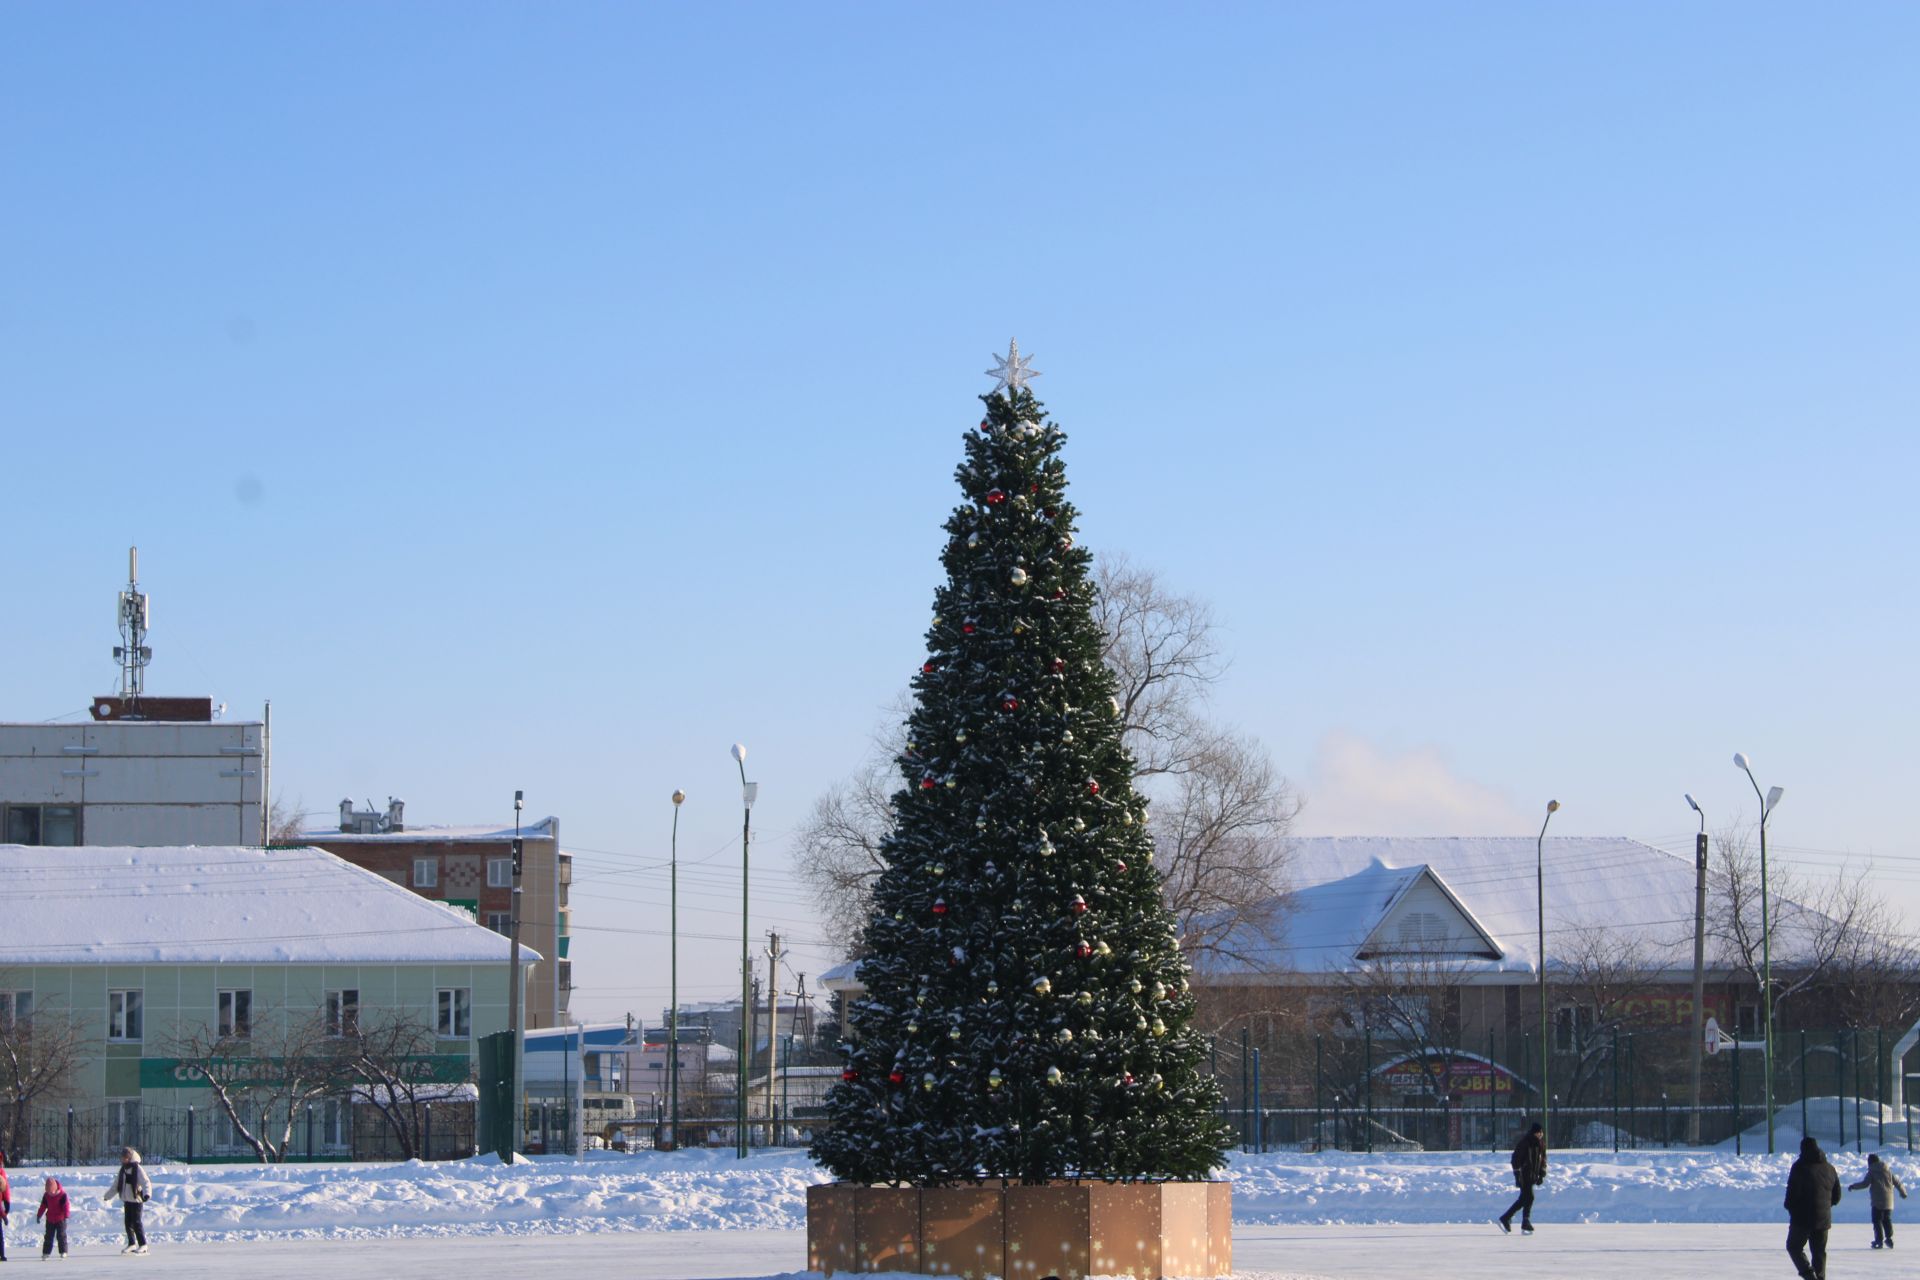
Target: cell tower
132, 651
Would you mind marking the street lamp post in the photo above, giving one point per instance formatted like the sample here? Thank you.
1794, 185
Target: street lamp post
1699, 966
673, 970
1768, 802
1540, 903
513, 986
748, 791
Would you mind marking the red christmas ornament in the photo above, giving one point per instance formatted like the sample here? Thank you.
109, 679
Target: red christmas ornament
1121, 867
926, 782
1079, 905
1010, 704
1093, 787
985, 425
1083, 949
966, 628
1059, 665
1049, 513
1127, 1078
896, 1076
1036, 487
995, 497
940, 906
1059, 593
849, 1075
926, 668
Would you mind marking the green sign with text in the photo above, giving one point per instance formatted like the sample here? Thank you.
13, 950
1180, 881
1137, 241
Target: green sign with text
177, 1073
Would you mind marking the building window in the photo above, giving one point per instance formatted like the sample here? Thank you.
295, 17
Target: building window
499, 873
57, 824
236, 1014
566, 975
501, 922
456, 1013
426, 873
15, 1006
123, 1016
123, 1125
343, 1012
1746, 1022
1572, 1027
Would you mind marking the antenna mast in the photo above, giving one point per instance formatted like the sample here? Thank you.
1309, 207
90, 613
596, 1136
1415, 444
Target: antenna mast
132, 651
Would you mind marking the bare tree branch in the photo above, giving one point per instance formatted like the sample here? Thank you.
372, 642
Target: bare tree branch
40, 1052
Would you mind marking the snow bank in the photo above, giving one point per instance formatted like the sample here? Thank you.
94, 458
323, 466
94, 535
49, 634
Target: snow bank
711, 1190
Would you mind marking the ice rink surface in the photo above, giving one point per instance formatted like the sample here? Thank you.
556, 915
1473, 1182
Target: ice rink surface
1654, 1251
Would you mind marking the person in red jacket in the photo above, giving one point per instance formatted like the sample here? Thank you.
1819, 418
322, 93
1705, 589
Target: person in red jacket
54, 1206
6, 1205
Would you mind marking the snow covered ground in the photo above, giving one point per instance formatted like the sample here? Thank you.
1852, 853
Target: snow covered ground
1606, 1252
699, 1214
712, 1191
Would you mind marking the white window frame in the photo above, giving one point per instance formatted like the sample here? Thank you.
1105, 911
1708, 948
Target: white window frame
501, 922
453, 1013
426, 873
10, 1010
499, 873
233, 1013
126, 1015
341, 1014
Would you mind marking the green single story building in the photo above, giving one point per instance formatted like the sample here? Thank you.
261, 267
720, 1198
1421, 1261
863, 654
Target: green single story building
137, 985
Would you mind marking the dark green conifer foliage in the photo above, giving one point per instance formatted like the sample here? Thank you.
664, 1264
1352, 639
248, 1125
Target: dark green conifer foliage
1027, 1004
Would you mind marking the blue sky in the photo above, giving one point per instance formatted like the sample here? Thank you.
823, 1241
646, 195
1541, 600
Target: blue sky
547, 397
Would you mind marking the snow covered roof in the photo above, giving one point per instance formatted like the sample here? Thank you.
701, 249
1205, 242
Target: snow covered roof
541, 830
223, 905
1472, 900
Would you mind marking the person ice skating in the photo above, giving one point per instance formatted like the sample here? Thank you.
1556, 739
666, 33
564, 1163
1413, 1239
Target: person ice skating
132, 1189
1529, 1170
1813, 1188
54, 1208
1881, 1182
6, 1205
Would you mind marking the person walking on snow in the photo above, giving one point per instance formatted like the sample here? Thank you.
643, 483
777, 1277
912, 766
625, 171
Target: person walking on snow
6, 1205
53, 1207
1882, 1183
131, 1188
1529, 1170
1813, 1188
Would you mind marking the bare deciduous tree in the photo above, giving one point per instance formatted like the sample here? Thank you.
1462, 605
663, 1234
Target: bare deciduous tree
263, 1079
1601, 972
1221, 810
39, 1052
1411, 997
386, 1062
1827, 934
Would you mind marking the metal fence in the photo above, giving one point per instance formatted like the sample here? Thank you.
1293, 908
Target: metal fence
204, 1135
1624, 1090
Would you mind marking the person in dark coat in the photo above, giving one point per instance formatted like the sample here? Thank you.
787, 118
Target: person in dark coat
1881, 1182
1529, 1170
1813, 1188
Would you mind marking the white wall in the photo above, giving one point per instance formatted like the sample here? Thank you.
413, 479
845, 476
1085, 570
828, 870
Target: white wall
141, 782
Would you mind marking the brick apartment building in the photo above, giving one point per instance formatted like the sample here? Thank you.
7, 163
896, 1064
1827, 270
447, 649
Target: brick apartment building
472, 867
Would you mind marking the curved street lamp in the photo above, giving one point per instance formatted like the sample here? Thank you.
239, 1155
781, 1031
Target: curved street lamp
748, 792
1540, 902
1768, 802
673, 996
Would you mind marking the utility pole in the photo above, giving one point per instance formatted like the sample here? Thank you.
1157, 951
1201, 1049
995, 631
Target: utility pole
774, 953
1699, 967
513, 985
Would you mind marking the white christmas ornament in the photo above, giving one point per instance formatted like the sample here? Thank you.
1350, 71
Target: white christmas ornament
1019, 577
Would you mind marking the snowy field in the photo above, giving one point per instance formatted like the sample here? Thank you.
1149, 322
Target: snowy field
704, 1214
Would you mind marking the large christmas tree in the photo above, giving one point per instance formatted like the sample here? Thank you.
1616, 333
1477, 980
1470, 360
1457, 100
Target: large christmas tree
1026, 1002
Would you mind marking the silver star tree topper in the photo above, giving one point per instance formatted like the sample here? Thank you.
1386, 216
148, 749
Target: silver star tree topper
1013, 370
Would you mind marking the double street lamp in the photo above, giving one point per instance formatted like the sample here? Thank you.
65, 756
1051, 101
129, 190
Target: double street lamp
1768, 802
